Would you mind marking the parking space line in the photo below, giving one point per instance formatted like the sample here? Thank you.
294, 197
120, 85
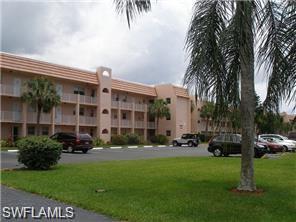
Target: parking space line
115, 147
132, 147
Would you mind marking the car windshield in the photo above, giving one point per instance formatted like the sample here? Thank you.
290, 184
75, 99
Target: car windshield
84, 136
285, 138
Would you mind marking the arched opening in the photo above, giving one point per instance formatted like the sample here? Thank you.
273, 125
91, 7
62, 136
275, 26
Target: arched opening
104, 131
105, 111
106, 73
105, 90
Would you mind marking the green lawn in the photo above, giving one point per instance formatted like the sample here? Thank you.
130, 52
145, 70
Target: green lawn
172, 189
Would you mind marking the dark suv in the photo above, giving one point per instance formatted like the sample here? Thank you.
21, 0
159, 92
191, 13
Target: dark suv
188, 139
226, 144
72, 142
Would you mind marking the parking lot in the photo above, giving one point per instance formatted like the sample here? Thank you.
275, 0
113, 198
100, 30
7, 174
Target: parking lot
9, 159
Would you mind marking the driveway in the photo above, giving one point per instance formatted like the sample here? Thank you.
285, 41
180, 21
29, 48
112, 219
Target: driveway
9, 160
12, 199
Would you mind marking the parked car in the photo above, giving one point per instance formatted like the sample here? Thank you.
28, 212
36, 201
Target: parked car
271, 146
226, 144
188, 139
292, 136
289, 145
73, 142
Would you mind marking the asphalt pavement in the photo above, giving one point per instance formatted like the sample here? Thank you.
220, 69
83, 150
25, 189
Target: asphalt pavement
9, 159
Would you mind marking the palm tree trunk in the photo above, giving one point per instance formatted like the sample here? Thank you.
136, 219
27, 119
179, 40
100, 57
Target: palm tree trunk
247, 182
207, 125
38, 120
157, 125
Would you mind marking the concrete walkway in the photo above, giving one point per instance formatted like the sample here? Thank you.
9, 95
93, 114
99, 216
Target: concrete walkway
16, 198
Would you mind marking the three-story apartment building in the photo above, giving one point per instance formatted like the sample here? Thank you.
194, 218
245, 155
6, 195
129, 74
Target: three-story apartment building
91, 102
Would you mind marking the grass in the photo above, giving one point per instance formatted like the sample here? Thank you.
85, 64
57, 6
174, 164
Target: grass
171, 189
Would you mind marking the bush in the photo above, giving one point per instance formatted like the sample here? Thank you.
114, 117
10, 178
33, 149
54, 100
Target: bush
133, 139
38, 152
119, 140
160, 139
6, 143
98, 142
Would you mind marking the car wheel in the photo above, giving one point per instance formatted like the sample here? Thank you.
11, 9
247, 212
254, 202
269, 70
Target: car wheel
70, 149
285, 149
84, 151
190, 143
175, 143
217, 152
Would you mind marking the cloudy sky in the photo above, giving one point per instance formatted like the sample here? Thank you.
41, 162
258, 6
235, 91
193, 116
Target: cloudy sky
88, 34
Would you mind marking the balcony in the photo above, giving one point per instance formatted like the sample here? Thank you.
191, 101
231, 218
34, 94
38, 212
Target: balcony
11, 116
126, 123
45, 118
88, 100
140, 107
65, 119
126, 105
139, 124
114, 122
69, 97
87, 120
10, 90
151, 125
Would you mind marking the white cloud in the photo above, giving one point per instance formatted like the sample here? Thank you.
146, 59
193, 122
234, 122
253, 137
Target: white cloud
88, 35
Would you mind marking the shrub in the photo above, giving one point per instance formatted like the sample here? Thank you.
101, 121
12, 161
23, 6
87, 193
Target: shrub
133, 139
38, 152
98, 142
119, 140
6, 143
160, 139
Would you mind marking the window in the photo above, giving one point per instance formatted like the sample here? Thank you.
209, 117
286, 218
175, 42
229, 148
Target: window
31, 130
93, 93
123, 115
168, 117
92, 113
168, 133
105, 111
198, 121
81, 111
151, 101
105, 90
91, 132
45, 131
79, 90
31, 108
104, 131
115, 116
168, 100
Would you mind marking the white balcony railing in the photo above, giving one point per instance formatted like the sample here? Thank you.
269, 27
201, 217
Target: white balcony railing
151, 125
10, 90
87, 120
126, 105
126, 123
140, 107
114, 122
68, 97
88, 100
11, 116
115, 104
139, 124
45, 118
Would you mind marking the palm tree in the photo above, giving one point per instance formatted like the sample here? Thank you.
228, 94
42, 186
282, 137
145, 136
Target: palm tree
159, 109
220, 42
207, 112
40, 93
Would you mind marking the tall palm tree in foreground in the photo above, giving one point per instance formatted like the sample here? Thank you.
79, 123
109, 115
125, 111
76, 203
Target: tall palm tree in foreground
159, 109
220, 44
40, 93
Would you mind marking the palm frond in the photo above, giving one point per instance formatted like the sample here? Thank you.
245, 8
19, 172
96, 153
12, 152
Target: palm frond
131, 8
206, 70
277, 51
